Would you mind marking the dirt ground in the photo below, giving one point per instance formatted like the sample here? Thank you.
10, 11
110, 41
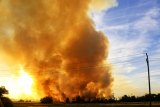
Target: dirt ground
87, 105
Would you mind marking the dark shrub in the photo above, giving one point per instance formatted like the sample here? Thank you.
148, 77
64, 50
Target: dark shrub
3, 90
46, 100
67, 100
6, 102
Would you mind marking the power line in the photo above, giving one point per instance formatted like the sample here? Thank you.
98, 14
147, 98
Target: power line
81, 66
127, 56
87, 65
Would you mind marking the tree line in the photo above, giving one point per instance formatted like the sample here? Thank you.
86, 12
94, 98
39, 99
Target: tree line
146, 97
124, 98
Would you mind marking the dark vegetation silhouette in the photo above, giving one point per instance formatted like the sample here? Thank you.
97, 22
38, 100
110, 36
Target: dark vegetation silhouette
46, 100
67, 100
154, 97
125, 98
5, 101
79, 99
21, 100
3, 91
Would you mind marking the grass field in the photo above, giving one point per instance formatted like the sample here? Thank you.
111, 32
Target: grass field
86, 105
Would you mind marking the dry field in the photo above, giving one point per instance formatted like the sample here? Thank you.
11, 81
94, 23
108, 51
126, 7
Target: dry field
86, 105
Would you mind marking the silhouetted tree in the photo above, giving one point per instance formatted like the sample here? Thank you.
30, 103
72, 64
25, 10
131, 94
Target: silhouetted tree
46, 100
7, 102
79, 99
21, 100
157, 98
67, 100
111, 100
133, 99
126, 98
3, 90
154, 97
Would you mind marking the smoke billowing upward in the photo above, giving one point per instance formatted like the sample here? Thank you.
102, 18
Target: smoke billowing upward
57, 40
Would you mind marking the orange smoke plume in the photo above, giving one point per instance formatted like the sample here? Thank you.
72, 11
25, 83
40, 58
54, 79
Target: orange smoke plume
57, 42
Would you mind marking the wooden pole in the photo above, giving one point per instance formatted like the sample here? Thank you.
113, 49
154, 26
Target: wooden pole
149, 84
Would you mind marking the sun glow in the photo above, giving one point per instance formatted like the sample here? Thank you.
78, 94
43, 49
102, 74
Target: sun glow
25, 82
21, 86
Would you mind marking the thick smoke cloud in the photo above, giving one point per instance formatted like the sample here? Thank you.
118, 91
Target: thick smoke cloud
57, 40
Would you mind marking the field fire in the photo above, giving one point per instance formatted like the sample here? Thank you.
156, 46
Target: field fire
56, 48
74, 53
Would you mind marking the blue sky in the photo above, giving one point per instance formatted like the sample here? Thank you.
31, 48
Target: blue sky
132, 28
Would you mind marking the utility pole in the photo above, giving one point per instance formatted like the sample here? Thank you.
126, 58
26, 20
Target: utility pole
149, 84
